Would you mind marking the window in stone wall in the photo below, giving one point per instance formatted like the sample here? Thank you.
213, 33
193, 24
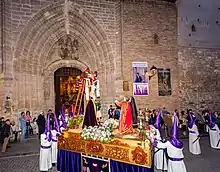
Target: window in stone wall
156, 39
193, 28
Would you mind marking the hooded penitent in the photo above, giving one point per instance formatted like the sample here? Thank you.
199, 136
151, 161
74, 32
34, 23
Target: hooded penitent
90, 116
211, 120
47, 131
134, 111
57, 127
63, 109
174, 138
64, 124
192, 120
70, 113
158, 122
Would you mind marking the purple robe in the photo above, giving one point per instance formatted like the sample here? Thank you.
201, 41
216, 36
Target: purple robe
90, 116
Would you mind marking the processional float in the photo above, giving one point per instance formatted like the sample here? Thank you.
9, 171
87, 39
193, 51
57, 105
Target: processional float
91, 146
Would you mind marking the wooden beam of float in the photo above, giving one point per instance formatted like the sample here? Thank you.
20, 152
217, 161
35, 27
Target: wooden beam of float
117, 149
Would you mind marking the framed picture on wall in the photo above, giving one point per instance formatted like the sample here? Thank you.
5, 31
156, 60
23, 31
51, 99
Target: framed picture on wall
164, 82
125, 86
140, 79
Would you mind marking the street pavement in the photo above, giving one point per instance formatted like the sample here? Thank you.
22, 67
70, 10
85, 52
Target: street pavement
25, 159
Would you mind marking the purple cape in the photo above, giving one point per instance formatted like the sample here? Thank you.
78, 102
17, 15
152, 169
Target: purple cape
90, 117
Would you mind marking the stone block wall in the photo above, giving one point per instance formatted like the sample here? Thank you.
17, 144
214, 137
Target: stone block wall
141, 20
199, 54
199, 78
112, 35
204, 15
33, 27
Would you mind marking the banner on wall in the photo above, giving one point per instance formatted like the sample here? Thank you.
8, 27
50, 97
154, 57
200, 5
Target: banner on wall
164, 82
140, 79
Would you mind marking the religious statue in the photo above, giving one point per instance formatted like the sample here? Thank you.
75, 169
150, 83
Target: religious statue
125, 123
92, 88
90, 116
68, 48
98, 110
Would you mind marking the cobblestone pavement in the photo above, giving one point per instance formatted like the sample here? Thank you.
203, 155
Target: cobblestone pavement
208, 161
31, 146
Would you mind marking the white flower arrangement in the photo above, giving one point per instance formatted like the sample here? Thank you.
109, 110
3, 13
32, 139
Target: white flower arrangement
151, 134
97, 133
112, 123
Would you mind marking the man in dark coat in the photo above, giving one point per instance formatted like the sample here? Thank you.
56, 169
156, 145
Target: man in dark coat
41, 124
52, 120
1, 128
6, 131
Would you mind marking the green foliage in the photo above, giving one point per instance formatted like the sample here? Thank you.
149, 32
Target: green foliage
75, 122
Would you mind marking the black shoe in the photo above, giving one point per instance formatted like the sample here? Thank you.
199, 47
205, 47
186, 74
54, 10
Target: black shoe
53, 164
8, 147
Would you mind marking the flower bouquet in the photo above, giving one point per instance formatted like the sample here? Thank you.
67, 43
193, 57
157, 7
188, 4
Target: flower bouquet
111, 123
151, 133
97, 133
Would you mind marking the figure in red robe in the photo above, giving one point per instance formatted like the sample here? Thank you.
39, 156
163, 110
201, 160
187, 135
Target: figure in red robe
125, 122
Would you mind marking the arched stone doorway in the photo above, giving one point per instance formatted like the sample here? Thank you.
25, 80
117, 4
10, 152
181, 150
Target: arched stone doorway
49, 91
65, 93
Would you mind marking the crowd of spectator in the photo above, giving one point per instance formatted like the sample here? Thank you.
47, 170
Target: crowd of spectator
202, 119
26, 126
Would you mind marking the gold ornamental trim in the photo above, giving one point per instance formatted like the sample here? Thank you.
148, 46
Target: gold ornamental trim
115, 150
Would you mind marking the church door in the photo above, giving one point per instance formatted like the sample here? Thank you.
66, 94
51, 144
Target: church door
64, 82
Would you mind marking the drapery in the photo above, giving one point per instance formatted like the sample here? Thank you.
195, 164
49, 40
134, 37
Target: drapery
124, 167
71, 162
68, 161
95, 165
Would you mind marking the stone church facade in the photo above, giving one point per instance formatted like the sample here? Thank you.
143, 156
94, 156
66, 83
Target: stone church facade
112, 34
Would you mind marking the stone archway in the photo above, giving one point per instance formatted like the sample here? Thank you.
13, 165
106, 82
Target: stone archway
32, 79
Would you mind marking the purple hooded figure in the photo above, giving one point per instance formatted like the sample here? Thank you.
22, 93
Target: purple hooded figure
214, 133
174, 138
158, 122
63, 109
47, 131
63, 121
70, 113
192, 120
173, 150
211, 120
55, 133
57, 127
45, 161
159, 154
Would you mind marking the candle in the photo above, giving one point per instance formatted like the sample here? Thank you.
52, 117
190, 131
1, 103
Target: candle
140, 123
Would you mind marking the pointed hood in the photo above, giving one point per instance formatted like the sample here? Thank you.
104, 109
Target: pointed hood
158, 122
81, 111
191, 121
70, 113
62, 115
63, 109
211, 120
47, 128
57, 127
174, 138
